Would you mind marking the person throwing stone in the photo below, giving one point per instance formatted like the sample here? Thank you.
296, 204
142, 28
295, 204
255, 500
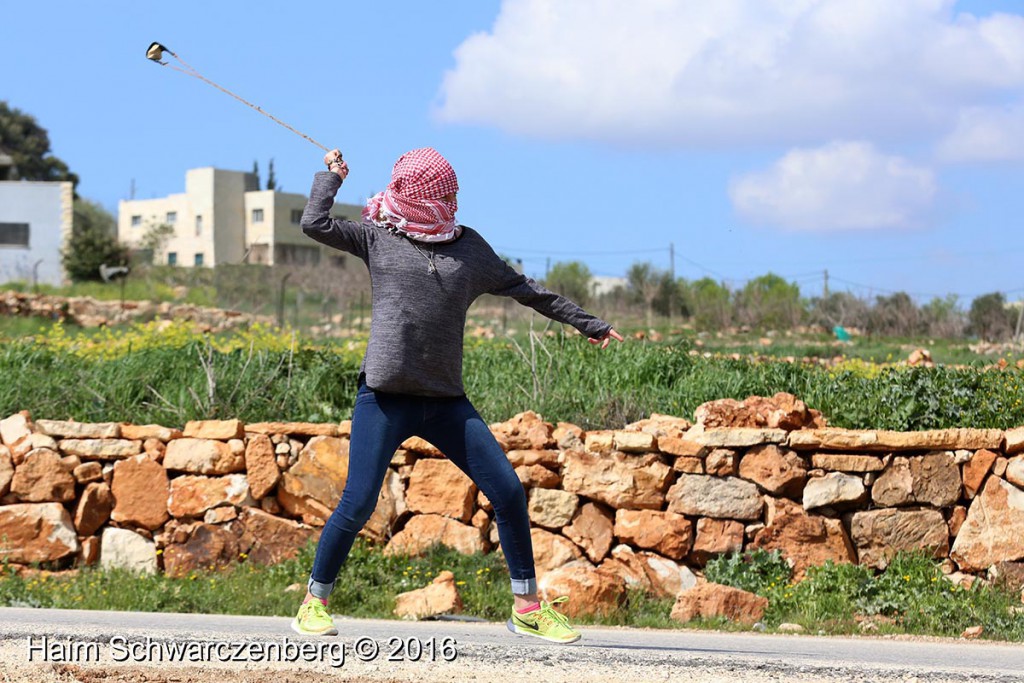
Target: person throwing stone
425, 271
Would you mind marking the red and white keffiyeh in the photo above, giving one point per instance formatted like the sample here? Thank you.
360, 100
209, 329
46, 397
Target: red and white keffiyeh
412, 202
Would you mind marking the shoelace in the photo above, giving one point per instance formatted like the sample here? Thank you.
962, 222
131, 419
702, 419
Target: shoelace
317, 608
548, 611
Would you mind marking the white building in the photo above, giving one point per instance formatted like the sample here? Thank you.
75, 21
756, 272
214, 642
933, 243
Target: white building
35, 224
223, 217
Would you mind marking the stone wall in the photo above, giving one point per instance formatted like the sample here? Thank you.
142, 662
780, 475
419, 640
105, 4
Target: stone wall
89, 312
646, 505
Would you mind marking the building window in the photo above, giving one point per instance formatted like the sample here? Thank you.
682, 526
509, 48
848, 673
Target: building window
257, 215
199, 259
296, 216
172, 217
199, 225
136, 221
172, 258
13, 234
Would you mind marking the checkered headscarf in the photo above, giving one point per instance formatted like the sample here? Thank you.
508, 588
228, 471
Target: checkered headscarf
412, 201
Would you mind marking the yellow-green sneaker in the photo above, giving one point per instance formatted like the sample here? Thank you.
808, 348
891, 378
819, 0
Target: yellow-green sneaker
544, 623
313, 620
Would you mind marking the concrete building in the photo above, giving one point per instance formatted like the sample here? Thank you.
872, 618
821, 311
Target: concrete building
35, 224
223, 217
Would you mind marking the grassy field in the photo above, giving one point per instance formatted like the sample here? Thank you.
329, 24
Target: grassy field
168, 375
909, 597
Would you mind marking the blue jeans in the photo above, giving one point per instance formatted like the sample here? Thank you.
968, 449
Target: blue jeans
380, 423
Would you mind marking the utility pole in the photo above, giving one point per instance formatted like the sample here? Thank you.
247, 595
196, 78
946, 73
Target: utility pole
826, 284
672, 285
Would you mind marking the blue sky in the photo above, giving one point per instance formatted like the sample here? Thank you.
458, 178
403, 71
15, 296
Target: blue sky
882, 141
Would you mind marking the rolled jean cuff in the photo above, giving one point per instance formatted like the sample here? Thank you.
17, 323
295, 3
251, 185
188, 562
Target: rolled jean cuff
524, 586
320, 590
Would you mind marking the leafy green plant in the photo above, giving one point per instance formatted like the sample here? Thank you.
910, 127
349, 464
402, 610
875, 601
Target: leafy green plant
759, 571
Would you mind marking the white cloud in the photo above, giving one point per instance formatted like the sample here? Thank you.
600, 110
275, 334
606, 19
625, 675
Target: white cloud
840, 186
730, 72
985, 134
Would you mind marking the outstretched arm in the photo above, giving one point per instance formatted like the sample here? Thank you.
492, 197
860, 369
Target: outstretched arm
317, 222
529, 293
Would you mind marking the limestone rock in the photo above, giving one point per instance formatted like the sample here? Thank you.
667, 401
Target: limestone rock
439, 487
294, 428
1009, 575
87, 472
440, 597
93, 508
391, 506
879, 534
547, 458
568, 436
14, 428
713, 600
422, 532
89, 554
737, 437
202, 456
932, 479
422, 447
525, 431
619, 480
537, 476
318, 476
591, 591
140, 490
779, 471
219, 430
992, 532
679, 446
957, 517
803, 539
220, 515
721, 462
125, 549
193, 495
41, 479
1014, 440
31, 533
30, 443
650, 572
100, 449
666, 533
885, 441
144, 432
781, 411
847, 462
723, 498
208, 547
552, 508
6, 470
268, 539
79, 430
551, 550
261, 466
836, 490
634, 442
591, 530
1015, 471
976, 469
716, 537
602, 441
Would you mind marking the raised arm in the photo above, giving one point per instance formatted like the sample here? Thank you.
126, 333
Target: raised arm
317, 223
529, 293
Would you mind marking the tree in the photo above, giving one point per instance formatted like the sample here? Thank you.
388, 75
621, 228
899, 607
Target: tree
648, 282
943, 318
839, 308
271, 180
895, 316
92, 242
989, 318
769, 302
571, 279
711, 304
28, 145
155, 239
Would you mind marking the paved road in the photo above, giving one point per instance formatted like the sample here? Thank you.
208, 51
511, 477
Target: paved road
636, 654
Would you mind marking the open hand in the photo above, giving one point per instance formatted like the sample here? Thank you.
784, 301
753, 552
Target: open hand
606, 339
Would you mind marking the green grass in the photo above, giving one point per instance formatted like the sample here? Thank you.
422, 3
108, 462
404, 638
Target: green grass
561, 378
909, 597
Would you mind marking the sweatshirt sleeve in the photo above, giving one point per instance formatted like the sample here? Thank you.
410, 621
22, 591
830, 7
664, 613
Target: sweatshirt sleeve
350, 236
529, 293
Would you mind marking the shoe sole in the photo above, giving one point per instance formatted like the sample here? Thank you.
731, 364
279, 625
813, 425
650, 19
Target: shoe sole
329, 631
523, 632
